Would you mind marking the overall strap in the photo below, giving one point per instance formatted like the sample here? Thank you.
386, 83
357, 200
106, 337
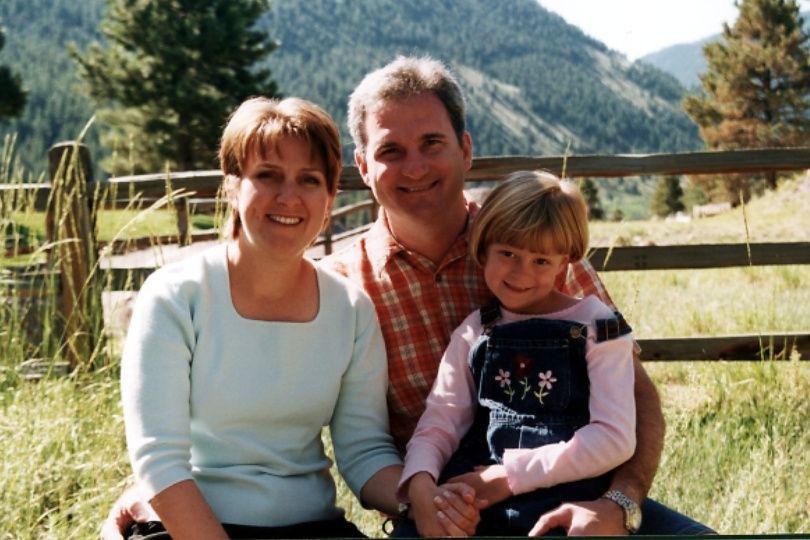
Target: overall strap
490, 313
611, 328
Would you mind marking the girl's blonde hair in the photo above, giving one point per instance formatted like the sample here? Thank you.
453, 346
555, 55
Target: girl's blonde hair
255, 129
532, 210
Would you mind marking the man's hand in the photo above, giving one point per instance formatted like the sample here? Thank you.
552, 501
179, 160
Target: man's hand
127, 509
489, 482
586, 518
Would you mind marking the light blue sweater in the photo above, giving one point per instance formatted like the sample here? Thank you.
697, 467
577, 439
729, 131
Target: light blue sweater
238, 404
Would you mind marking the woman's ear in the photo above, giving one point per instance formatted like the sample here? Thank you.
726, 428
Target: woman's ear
327, 215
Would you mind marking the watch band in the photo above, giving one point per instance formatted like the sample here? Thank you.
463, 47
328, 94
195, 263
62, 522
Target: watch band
632, 512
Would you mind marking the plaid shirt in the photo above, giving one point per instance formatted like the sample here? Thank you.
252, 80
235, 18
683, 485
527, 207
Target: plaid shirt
420, 303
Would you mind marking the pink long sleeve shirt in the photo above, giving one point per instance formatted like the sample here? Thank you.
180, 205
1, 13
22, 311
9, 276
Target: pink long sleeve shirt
599, 446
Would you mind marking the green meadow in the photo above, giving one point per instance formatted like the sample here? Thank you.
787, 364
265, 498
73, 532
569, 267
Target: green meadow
737, 454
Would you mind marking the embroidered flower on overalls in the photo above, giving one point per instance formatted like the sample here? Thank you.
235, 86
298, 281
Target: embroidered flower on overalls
503, 378
522, 365
546, 380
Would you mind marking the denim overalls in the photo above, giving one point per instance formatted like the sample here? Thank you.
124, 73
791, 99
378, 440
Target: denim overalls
533, 389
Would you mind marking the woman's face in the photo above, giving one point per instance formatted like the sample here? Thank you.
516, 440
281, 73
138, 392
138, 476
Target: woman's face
282, 200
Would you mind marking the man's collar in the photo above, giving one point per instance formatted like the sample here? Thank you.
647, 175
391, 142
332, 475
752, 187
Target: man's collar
382, 246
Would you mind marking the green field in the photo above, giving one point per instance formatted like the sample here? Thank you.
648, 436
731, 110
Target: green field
737, 454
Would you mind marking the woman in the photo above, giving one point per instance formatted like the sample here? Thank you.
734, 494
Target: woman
237, 357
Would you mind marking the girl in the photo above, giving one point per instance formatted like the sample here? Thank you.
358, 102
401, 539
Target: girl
533, 402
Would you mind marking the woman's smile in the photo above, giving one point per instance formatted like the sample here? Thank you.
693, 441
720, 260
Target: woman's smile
284, 220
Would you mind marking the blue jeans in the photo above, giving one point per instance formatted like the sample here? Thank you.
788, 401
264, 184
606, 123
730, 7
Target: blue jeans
657, 519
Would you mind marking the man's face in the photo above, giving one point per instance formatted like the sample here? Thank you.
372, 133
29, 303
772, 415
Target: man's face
413, 161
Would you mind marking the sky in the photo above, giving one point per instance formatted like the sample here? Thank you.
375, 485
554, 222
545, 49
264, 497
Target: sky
639, 27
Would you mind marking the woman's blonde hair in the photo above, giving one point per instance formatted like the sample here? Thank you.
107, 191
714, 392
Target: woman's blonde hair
255, 129
532, 210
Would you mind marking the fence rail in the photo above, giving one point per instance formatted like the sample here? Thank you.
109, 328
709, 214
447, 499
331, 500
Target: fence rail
205, 184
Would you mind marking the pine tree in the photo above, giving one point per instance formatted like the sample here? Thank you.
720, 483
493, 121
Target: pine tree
667, 198
591, 194
12, 96
169, 76
757, 86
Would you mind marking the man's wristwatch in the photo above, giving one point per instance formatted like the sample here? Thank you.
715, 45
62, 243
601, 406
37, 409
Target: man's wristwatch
632, 513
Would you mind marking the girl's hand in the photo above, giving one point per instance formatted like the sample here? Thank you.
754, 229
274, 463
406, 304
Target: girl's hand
489, 482
460, 509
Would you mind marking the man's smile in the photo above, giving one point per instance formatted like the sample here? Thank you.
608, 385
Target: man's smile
419, 189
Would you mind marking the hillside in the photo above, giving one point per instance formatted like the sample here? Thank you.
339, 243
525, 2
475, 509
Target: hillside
536, 85
685, 61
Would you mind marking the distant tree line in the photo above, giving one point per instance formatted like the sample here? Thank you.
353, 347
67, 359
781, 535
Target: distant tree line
12, 96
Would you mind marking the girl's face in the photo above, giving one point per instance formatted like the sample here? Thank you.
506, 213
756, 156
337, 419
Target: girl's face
522, 279
282, 200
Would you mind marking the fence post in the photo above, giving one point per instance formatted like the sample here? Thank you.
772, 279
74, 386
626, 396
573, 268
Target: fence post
71, 228
181, 207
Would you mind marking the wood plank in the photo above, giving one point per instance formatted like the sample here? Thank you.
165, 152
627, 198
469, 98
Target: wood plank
743, 161
608, 166
739, 347
206, 183
698, 256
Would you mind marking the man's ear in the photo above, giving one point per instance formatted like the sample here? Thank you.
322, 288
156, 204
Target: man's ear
467, 150
362, 165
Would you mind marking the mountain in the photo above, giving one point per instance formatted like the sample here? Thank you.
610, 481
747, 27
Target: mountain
535, 84
36, 33
685, 61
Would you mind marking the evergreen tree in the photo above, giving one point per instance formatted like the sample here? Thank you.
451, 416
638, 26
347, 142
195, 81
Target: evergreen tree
12, 96
667, 198
591, 194
170, 74
757, 86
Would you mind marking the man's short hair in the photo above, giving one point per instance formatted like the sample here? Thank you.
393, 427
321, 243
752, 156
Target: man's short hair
532, 210
405, 76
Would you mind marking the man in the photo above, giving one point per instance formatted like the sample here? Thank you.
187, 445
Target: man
412, 150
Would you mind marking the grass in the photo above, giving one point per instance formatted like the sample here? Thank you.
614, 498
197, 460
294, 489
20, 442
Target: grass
737, 456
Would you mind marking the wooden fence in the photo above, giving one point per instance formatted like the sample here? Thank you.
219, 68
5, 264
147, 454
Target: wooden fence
70, 173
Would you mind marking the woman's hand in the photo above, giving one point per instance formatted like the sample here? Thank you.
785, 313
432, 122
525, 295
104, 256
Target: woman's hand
489, 482
127, 509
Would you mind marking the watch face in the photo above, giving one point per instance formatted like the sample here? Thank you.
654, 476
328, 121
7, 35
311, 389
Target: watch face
632, 513
633, 518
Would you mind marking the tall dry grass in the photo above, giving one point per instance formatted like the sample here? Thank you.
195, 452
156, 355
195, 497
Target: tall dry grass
736, 454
